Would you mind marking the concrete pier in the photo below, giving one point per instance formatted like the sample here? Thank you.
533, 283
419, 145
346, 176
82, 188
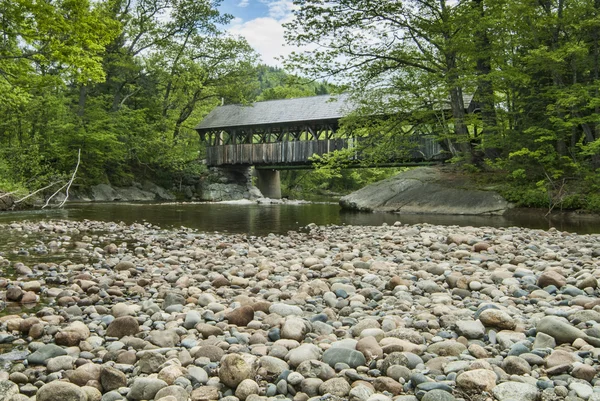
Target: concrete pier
269, 183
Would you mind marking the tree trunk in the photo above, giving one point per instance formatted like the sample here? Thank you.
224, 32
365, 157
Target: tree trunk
82, 99
485, 86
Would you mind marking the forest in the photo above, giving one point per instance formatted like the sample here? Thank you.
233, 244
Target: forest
124, 82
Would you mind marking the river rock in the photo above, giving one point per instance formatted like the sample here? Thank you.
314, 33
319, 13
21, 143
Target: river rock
123, 326
59, 390
295, 328
551, 277
8, 389
425, 190
145, 388
285, 309
336, 386
150, 362
112, 379
58, 363
559, 329
164, 338
44, 353
476, 381
205, 393
176, 393
304, 352
470, 328
246, 388
234, 369
509, 391
241, 316
350, 357
72, 334
497, 318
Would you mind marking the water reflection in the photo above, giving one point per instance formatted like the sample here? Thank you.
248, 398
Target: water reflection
256, 219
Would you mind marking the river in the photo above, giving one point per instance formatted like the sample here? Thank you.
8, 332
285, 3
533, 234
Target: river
256, 219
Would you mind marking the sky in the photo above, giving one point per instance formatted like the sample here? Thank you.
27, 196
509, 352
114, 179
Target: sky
260, 22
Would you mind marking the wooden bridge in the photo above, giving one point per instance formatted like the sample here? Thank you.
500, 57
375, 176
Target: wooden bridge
288, 132
280, 134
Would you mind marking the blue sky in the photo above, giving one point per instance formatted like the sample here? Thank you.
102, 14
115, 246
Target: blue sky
260, 22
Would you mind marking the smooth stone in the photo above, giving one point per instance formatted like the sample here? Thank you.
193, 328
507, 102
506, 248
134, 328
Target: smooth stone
40, 356
515, 391
437, 395
59, 390
234, 368
476, 380
304, 352
350, 357
285, 309
145, 388
470, 328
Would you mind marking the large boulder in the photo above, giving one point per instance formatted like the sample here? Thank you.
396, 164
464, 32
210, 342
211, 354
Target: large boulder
426, 190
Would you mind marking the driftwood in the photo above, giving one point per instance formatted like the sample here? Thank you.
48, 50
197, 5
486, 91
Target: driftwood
67, 185
35, 192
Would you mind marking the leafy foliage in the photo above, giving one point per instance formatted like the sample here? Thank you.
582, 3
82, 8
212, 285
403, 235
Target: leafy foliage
533, 69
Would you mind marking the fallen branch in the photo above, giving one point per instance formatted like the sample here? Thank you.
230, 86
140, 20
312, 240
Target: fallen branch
8, 194
67, 185
53, 195
35, 192
72, 178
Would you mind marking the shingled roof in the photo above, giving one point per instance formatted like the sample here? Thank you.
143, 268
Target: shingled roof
289, 111
285, 111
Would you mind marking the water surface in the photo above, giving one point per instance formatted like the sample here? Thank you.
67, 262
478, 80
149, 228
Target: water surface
257, 219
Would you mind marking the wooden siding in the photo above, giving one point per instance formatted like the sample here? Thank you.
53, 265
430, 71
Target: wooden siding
299, 152
294, 152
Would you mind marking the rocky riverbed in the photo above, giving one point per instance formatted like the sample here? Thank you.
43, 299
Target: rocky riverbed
105, 311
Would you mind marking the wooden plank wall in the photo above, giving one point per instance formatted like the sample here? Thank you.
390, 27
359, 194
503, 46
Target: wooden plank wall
293, 152
299, 152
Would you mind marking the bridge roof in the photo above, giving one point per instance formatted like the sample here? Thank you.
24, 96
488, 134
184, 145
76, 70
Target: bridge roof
289, 111
284, 111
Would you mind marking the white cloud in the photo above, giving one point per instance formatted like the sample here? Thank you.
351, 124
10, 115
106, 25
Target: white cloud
243, 3
265, 35
279, 9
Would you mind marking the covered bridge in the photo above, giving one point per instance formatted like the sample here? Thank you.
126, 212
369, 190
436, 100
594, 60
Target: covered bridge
274, 132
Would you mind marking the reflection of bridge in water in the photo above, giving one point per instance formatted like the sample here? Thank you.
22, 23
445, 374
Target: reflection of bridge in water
283, 134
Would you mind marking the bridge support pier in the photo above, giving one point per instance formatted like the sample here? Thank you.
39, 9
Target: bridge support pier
269, 183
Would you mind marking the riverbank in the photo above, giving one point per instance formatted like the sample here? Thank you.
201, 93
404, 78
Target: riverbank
360, 313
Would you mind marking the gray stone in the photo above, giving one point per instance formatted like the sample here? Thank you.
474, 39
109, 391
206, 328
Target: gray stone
234, 369
438, 395
350, 357
145, 388
112, 379
164, 338
543, 340
285, 309
44, 353
7, 390
515, 391
470, 328
425, 190
192, 318
581, 389
304, 352
177, 392
58, 363
59, 390
337, 386
246, 388
561, 330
